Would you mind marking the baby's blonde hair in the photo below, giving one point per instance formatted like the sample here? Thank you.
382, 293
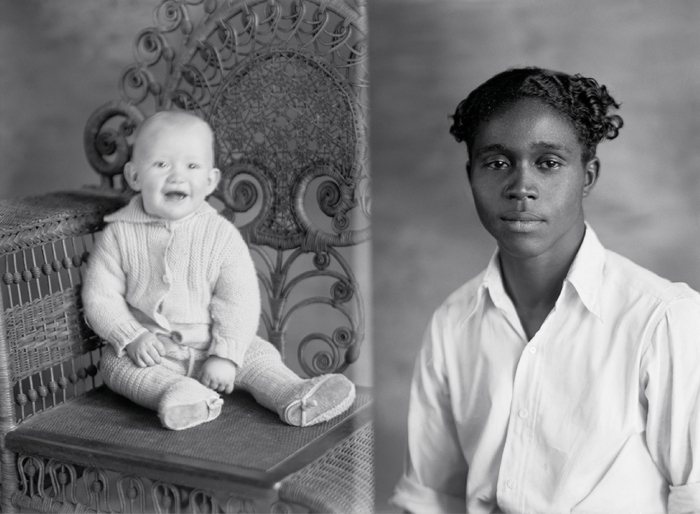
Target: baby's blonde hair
170, 118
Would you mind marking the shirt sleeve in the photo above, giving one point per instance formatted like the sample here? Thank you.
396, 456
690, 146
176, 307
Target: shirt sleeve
103, 293
435, 473
235, 304
671, 367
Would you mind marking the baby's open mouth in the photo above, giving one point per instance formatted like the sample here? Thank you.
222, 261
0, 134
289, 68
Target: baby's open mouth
175, 195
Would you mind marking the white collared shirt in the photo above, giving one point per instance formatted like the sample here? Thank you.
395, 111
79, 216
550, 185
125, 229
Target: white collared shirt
598, 413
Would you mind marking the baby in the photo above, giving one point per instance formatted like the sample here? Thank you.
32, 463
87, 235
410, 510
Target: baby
171, 286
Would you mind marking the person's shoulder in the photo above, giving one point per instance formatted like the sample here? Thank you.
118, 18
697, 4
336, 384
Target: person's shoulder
461, 301
219, 232
640, 282
214, 220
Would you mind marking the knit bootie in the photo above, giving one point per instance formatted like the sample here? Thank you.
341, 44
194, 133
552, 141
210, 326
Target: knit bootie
297, 401
187, 404
317, 400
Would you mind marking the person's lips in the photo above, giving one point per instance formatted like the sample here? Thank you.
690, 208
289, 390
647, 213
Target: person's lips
175, 195
522, 221
521, 216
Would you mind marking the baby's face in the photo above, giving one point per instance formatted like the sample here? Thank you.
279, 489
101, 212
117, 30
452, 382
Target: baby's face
173, 169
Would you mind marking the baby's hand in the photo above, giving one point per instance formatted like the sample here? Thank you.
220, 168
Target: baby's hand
145, 350
218, 374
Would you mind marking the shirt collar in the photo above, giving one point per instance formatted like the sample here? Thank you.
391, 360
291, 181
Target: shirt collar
491, 285
134, 212
585, 275
586, 272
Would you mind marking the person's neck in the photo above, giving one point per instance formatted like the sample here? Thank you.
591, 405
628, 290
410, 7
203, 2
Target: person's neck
534, 284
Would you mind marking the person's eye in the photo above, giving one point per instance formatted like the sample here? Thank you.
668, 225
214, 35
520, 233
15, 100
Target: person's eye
496, 164
160, 164
193, 166
549, 164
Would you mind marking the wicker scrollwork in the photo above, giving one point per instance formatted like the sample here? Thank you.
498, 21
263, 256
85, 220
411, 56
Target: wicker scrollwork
97, 489
63, 481
241, 506
107, 146
203, 501
48, 485
132, 494
31, 476
342, 347
166, 498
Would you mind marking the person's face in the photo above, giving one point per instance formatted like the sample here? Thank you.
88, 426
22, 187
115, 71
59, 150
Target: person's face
528, 181
173, 169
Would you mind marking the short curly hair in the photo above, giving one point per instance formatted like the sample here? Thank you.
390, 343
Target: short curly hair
581, 100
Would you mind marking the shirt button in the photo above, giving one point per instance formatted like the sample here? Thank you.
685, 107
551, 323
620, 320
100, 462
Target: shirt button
522, 413
176, 337
510, 483
532, 349
166, 279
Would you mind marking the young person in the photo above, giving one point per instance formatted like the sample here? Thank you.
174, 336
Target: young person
563, 378
171, 286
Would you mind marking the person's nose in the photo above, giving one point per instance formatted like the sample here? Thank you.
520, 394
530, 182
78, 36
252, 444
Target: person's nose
177, 171
522, 183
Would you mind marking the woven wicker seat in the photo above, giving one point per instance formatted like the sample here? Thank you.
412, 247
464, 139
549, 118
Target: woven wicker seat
283, 84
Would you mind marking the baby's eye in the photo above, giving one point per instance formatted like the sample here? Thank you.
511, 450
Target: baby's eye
160, 164
193, 166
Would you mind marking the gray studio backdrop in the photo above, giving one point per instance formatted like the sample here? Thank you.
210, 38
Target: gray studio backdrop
425, 57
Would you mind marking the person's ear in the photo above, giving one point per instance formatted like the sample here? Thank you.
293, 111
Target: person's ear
213, 180
591, 175
132, 176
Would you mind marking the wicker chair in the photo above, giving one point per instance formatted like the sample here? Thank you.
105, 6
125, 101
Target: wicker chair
283, 84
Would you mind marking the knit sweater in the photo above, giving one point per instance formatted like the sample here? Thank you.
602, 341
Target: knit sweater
193, 279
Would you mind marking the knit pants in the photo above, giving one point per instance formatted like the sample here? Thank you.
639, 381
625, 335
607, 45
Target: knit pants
263, 374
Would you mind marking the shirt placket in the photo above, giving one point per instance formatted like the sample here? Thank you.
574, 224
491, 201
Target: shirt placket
520, 435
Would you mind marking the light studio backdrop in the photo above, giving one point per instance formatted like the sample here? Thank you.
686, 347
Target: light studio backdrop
426, 56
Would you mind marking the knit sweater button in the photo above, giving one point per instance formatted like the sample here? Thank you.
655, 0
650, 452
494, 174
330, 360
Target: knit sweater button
166, 279
176, 337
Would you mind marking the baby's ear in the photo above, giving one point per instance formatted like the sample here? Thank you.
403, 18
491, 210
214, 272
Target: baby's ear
214, 177
132, 177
